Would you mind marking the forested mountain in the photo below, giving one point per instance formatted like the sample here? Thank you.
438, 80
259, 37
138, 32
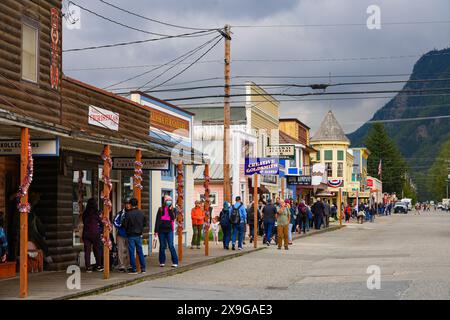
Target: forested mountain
419, 141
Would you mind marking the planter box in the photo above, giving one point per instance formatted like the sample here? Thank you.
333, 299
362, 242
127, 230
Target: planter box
7, 270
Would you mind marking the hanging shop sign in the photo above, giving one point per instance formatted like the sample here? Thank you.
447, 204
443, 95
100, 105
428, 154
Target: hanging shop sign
55, 48
103, 118
318, 174
281, 152
369, 182
41, 148
169, 123
299, 180
153, 164
263, 166
335, 183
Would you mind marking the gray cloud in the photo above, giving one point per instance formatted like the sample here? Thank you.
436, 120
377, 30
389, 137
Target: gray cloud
266, 43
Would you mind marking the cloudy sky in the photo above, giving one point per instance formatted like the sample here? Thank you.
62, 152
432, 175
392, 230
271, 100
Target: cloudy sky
335, 41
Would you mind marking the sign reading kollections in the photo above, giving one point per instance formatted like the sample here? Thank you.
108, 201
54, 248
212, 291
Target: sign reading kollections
103, 118
264, 166
154, 164
46, 148
281, 152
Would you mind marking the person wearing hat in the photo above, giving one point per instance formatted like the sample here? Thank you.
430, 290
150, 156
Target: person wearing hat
121, 238
164, 227
198, 218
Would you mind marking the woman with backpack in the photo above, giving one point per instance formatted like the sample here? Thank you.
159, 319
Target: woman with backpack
302, 218
224, 219
92, 225
164, 227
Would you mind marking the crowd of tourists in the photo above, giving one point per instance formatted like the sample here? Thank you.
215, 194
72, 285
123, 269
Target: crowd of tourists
277, 222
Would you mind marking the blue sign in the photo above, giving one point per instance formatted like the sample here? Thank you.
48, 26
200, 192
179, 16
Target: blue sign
263, 166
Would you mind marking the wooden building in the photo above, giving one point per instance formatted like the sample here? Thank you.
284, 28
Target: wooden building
71, 125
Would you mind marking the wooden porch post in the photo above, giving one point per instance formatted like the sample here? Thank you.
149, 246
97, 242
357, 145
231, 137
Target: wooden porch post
24, 210
180, 205
137, 192
207, 206
107, 186
255, 211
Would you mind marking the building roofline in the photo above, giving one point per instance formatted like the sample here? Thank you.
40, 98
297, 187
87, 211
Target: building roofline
296, 120
104, 92
161, 101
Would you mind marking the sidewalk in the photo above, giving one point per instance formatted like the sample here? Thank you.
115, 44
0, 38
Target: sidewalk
52, 285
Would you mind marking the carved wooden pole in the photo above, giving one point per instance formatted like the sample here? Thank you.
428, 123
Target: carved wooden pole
137, 192
180, 209
26, 177
207, 206
107, 205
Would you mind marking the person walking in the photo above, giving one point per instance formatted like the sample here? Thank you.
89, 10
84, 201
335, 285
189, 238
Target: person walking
92, 224
318, 210
269, 215
326, 214
348, 213
302, 217
238, 220
198, 218
292, 219
164, 228
333, 210
283, 216
121, 238
134, 224
251, 220
225, 224
372, 213
215, 229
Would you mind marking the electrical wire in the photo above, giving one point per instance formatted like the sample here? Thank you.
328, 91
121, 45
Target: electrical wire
183, 57
153, 20
338, 24
184, 35
189, 66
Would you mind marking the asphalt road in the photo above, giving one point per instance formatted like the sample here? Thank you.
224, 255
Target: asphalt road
412, 252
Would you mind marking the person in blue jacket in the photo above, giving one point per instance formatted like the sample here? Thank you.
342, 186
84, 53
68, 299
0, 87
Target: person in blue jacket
122, 240
239, 228
225, 224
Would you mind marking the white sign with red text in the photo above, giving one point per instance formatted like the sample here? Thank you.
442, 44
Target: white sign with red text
103, 118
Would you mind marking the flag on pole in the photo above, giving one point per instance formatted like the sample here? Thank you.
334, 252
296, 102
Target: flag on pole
380, 169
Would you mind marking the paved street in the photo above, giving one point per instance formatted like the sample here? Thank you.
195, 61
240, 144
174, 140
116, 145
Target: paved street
412, 251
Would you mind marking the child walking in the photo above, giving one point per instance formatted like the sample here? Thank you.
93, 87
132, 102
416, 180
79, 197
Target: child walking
215, 229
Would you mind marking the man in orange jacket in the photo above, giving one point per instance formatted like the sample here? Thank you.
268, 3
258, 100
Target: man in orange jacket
198, 218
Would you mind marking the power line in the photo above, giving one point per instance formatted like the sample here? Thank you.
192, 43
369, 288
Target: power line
338, 24
309, 94
116, 22
340, 59
189, 66
182, 57
153, 20
240, 102
199, 33
131, 66
293, 85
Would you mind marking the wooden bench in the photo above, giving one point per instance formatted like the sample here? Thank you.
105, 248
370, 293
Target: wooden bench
7, 270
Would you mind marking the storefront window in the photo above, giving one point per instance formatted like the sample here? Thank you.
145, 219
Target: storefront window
81, 189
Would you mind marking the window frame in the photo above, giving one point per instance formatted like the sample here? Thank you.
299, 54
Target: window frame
340, 152
329, 166
325, 155
33, 24
340, 169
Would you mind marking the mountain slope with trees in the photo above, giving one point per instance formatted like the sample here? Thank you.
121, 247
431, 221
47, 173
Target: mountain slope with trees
419, 141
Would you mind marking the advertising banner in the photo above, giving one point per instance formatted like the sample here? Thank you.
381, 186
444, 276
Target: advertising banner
263, 166
281, 152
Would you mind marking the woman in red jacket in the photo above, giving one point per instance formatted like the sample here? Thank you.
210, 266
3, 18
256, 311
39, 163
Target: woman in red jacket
198, 218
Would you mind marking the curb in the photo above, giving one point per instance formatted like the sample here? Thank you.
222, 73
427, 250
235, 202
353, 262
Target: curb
189, 267
172, 272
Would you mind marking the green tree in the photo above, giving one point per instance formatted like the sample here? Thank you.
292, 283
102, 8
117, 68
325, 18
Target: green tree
438, 173
383, 148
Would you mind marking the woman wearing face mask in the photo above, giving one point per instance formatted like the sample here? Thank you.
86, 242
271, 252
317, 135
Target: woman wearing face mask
164, 227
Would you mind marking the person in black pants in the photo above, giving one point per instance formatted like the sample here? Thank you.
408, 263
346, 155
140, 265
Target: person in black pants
92, 224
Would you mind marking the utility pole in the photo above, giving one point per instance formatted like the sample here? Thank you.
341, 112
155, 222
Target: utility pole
226, 117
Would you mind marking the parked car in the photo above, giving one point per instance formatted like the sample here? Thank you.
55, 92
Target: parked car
400, 207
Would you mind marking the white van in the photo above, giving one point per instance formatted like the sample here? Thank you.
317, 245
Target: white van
408, 202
